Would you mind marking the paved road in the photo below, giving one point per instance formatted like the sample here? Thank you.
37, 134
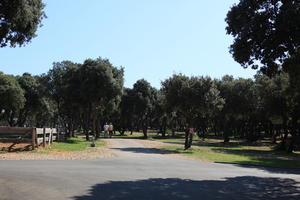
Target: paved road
140, 173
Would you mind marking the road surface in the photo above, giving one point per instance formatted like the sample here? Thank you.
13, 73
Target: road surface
140, 173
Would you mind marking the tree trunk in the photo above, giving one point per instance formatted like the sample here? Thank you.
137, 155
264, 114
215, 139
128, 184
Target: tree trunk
145, 132
274, 137
131, 130
186, 142
93, 131
173, 132
86, 129
188, 138
163, 132
283, 141
73, 133
97, 129
226, 137
87, 135
291, 145
203, 133
226, 134
122, 132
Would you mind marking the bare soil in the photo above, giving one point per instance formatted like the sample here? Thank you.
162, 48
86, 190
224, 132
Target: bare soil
111, 149
90, 153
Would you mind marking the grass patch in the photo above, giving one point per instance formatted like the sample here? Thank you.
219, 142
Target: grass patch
128, 134
135, 134
236, 152
150, 133
71, 144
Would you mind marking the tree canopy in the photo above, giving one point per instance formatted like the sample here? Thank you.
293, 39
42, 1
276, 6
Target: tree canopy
84, 93
11, 98
194, 98
19, 21
266, 33
84, 96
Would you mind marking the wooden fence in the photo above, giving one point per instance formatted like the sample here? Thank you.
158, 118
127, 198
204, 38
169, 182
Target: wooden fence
30, 137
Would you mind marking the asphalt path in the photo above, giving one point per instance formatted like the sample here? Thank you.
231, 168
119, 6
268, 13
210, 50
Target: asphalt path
140, 173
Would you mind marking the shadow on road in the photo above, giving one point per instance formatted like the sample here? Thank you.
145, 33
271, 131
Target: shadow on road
266, 158
123, 137
246, 188
144, 150
274, 170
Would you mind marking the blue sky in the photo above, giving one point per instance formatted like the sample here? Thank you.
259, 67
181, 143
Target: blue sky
151, 39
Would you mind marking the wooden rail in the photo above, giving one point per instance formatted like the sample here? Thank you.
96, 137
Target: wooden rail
34, 136
15, 130
46, 135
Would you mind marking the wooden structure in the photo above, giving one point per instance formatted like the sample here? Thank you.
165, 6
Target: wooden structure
46, 136
30, 137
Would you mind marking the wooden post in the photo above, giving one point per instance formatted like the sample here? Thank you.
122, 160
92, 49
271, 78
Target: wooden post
51, 139
44, 137
33, 138
57, 134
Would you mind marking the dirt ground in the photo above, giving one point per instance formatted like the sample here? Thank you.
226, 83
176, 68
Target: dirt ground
20, 146
107, 151
89, 153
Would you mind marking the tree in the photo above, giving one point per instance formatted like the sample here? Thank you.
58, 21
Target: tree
266, 31
192, 98
274, 102
11, 98
69, 91
127, 107
101, 87
143, 96
85, 94
239, 105
34, 100
60, 86
266, 36
160, 116
19, 20
292, 66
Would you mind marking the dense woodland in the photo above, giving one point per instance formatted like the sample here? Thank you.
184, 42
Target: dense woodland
81, 97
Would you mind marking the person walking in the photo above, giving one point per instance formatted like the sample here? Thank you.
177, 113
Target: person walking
105, 128
110, 129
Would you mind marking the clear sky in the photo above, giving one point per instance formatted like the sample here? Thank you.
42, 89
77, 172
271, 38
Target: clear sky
151, 39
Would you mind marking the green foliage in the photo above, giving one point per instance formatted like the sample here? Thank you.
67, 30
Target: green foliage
144, 96
84, 92
23, 102
11, 97
34, 100
73, 144
292, 67
192, 97
273, 96
138, 105
197, 99
266, 36
265, 31
19, 20
239, 97
100, 84
232, 153
82, 97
